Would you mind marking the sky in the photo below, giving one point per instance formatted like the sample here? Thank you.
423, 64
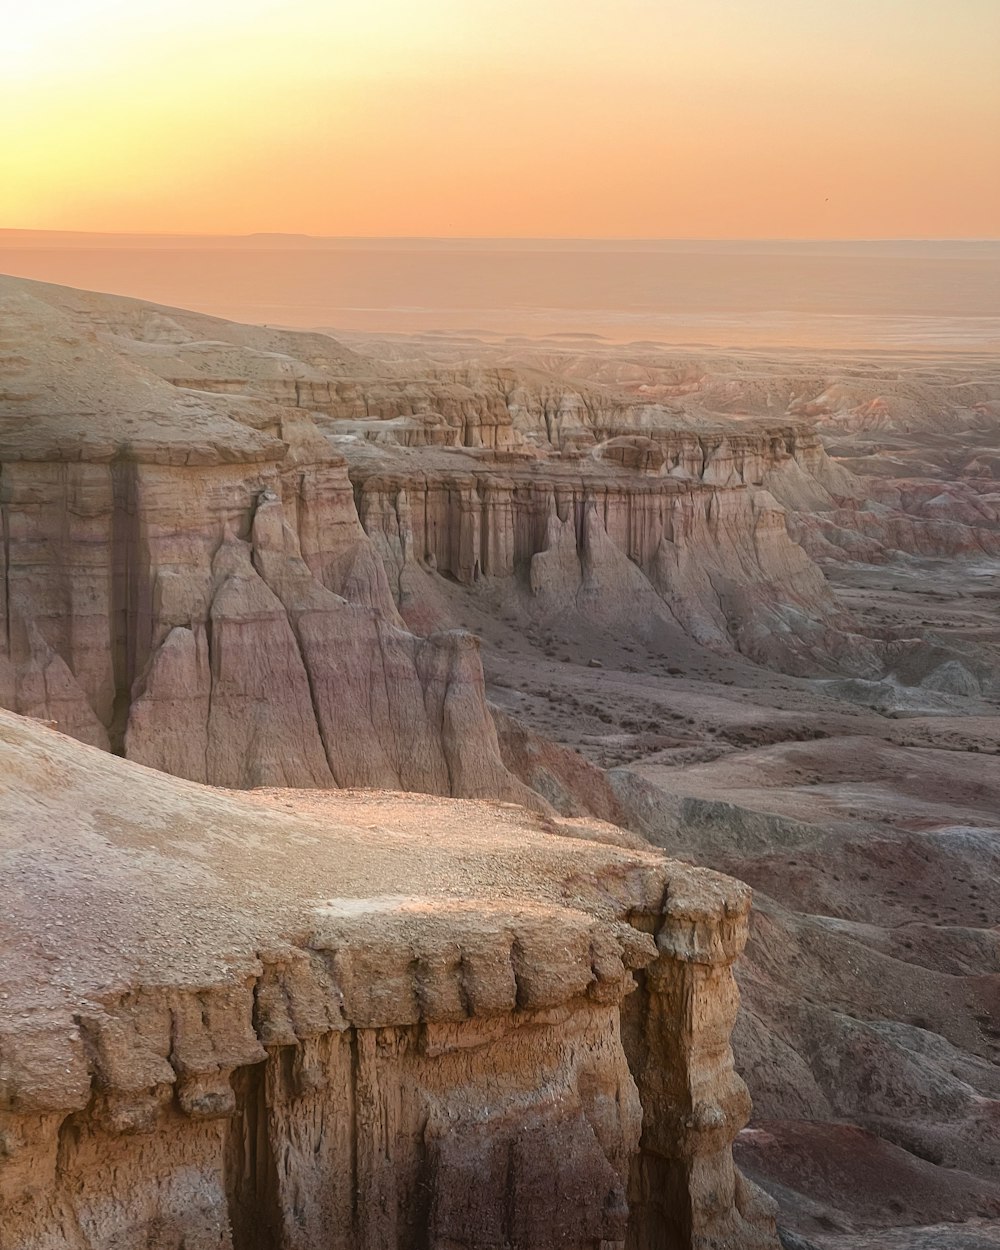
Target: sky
511, 118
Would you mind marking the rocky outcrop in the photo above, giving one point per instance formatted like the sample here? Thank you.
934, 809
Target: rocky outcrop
189, 585
357, 1021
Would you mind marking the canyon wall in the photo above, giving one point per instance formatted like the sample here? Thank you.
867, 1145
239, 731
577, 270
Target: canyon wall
222, 1028
231, 624
184, 580
677, 536
193, 575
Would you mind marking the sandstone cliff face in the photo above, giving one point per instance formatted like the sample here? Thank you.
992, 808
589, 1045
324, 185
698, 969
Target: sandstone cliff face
707, 556
190, 619
361, 1022
189, 585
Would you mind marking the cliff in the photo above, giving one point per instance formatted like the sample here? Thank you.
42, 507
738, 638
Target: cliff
187, 582
363, 1020
694, 547
208, 570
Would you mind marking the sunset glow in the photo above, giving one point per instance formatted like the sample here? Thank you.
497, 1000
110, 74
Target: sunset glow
638, 118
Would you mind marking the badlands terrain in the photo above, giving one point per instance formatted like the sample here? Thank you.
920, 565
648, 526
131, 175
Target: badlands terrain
592, 602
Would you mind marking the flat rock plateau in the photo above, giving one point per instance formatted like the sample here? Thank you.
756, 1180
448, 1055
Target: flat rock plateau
395, 728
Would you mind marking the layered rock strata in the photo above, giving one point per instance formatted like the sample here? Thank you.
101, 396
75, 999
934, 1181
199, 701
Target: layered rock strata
190, 577
189, 584
355, 1021
650, 555
191, 620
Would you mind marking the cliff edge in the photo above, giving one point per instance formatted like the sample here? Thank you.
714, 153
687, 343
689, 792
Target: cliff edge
355, 1020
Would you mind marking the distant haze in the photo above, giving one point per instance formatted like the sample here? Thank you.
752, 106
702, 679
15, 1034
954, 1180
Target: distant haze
909, 295
638, 118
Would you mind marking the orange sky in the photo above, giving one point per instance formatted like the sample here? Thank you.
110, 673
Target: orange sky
620, 118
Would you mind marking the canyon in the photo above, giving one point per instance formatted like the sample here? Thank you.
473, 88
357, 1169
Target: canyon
613, 617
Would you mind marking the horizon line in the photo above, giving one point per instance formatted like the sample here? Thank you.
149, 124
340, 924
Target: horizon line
495, 238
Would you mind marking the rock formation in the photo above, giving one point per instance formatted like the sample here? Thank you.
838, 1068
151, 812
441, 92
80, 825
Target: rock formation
190, 585
196, 577
367, 1020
